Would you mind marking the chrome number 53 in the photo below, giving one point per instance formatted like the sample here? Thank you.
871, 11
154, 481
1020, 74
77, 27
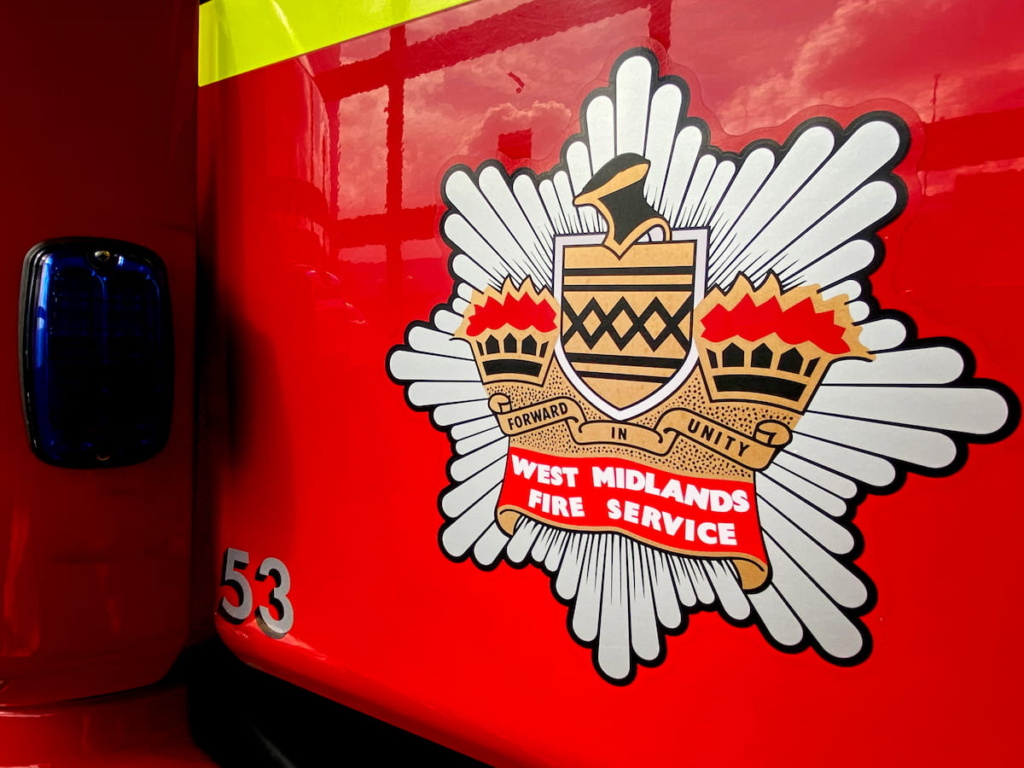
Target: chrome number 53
232, 575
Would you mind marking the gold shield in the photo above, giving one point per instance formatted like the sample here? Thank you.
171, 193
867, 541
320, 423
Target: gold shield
627, 322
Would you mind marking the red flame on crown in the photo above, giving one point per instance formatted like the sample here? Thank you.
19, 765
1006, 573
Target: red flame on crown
521, 313
796, 325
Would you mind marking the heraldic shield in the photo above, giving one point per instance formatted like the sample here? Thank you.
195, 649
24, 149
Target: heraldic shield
627, 297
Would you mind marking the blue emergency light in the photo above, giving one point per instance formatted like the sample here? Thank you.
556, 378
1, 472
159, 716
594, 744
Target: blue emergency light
96, 352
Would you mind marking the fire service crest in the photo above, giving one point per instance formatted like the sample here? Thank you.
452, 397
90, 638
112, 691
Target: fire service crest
665, 383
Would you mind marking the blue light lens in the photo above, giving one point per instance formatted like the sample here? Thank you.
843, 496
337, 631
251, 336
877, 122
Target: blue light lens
97, 352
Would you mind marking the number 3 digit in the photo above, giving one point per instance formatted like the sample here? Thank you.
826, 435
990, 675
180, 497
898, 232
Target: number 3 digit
276, 628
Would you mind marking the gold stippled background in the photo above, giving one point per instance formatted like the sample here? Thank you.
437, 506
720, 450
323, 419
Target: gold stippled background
686, 456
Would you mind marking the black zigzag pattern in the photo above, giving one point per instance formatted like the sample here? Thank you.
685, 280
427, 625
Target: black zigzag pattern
673, 323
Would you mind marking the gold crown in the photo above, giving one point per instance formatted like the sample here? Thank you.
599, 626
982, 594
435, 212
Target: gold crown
512, 332
772, 346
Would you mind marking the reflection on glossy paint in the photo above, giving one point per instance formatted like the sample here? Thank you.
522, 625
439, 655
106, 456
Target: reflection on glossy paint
19, 617
334, 472
925, 54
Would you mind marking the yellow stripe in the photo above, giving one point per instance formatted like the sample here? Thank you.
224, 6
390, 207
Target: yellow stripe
237, 36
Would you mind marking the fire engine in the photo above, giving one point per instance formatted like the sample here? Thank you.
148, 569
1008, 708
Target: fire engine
594, 382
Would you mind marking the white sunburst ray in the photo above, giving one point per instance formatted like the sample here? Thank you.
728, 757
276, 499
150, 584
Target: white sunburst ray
438, 381
777, 619
860, 310
460, 305
922, 447
586, 610
666, 110
811, 148
834, 483
543, 543
824, 529
459, 535
490, 545
465, 466
480, 440
473, 274
753, 172
553, 207
753, 266
457, 498
863, 315
851, 258
429, 340
475, 229
895, 439
852, 166
856, 213
926, 446
724, 580
476, 249
882, 334
685, 591
861, 306
448, 414
711, 282
427, 394
703, 171
685, 152
832, 503
577, 160
701, 586
527, 194
563, 191
478, 470
567, 580
645, 636
495, 216
866, 468
833, 629
666, 601
717, 187
465, 291
556, 551
613, 641
843, 586
632, 88
523, 537
445, 320
410, 365
528, 232
847, 171
932, 365
599, 118
933, 410
784, 180
848, 289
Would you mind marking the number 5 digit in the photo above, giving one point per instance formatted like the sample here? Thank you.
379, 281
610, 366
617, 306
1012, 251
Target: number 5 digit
276, 628
234, 561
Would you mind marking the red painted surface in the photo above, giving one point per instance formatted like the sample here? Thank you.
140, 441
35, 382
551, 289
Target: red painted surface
146, 729
97, 140
320, 202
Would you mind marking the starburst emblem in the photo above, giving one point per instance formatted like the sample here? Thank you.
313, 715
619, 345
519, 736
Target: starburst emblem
665, 381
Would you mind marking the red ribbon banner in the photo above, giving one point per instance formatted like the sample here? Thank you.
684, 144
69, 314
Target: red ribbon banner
697, 516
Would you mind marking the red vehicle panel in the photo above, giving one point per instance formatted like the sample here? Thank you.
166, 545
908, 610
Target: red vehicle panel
577, 383
357, 217
95, 562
